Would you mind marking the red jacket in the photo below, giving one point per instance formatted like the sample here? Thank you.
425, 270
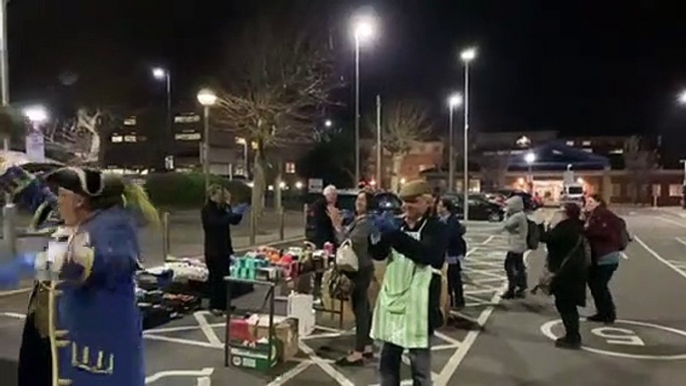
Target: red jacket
603, 231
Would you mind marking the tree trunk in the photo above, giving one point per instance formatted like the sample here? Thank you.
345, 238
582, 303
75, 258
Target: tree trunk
94, 152
278, 201
259, 182
395, 179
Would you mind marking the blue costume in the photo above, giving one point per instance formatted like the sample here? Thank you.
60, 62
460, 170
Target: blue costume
83, 327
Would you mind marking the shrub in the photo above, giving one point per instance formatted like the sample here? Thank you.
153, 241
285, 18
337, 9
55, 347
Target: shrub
187, 190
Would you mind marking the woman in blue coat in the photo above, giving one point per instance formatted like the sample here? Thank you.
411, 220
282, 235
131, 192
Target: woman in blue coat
83, 327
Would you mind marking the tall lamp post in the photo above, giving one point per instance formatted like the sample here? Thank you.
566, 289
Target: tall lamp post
454, 101
466, 56
530, 158
207, 99
681, 99
162, 74
364, 29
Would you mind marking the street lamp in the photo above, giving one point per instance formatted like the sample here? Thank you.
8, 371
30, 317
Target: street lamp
454, 101
530, 158
364, 29
682, 97
207, 99
328, 123
466, 56
37, 115
162, 74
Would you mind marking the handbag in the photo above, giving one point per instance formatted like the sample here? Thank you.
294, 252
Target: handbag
545, 281
346, 258
338, 286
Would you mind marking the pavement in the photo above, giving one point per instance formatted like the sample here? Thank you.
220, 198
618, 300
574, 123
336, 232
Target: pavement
508, 343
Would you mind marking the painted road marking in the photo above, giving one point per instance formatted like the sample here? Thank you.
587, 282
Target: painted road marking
660, 258
547, 330
680, 240
202, 376
615, 335
671, 221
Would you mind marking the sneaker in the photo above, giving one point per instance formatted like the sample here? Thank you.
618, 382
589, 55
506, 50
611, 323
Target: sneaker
567, 343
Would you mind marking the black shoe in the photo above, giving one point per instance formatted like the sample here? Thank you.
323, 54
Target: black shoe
568, 343
508, 295
598, 318
520, 294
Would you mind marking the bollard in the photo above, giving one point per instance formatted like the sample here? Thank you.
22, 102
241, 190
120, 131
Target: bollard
8, 229
253, 227
282, 220
166, 246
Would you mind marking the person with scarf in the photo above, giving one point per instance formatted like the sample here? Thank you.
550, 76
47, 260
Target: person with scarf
408, 309
83, 327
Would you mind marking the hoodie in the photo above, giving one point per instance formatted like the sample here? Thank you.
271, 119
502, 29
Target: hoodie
516, 225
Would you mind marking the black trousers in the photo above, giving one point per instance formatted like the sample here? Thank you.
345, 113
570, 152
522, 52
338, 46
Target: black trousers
599, 277
218, 267
455, 285
515, 268
391, 361
570, 317
361, 307
35, 358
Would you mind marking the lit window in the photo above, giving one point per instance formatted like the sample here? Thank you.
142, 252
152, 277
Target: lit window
675, 190
586, 143
130, 121
617, 151
187, 118
187, 136
570, 143
290, 167
130, 138
117, 138
587, 150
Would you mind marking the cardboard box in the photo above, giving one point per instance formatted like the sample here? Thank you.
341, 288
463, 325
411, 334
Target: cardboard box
285, 332
255, 355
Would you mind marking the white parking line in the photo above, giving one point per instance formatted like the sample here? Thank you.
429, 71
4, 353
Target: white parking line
680, 240
660, 258
677, 223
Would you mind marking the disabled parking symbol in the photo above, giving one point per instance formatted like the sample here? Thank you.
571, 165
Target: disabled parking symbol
627, 339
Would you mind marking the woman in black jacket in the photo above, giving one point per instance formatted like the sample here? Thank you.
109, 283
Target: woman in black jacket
456, 251
567, 261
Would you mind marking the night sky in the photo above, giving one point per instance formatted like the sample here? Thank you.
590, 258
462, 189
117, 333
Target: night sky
591, 67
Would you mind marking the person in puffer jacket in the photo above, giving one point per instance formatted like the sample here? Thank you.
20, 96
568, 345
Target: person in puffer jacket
517, 230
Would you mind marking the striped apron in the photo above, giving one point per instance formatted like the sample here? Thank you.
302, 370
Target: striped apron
401, 315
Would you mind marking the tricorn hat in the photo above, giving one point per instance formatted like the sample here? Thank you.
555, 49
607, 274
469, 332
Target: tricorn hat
84, 182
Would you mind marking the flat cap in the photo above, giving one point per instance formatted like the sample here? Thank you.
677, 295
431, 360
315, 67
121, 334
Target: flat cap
414, 189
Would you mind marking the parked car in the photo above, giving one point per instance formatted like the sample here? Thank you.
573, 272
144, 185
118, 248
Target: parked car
479, 208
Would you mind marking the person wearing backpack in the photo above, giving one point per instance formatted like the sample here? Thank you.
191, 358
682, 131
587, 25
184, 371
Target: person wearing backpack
604, 231
517, 227
567, 262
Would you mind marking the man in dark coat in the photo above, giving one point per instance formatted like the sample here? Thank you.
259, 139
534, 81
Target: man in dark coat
567, 259
320, 229
217, 218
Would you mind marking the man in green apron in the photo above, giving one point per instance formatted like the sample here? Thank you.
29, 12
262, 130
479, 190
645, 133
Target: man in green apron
408, 307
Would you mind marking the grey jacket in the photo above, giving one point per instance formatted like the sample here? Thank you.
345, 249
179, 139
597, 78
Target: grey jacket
358, 232
516, 225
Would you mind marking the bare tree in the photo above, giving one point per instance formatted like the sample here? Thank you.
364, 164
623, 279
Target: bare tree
275, 87
403, 124
493, 170
78, 139
639, 161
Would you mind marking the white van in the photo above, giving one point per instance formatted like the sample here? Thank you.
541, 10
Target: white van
572, 193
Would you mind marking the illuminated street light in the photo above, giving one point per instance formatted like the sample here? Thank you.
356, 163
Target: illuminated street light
455, 100
207, 99
36, 114
682, 97
162, 74
530, 158
328, 123
466, 56
299, 185
364, 30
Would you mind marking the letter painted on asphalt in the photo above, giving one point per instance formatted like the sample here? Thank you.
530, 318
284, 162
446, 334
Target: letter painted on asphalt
202, 376
614, 335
